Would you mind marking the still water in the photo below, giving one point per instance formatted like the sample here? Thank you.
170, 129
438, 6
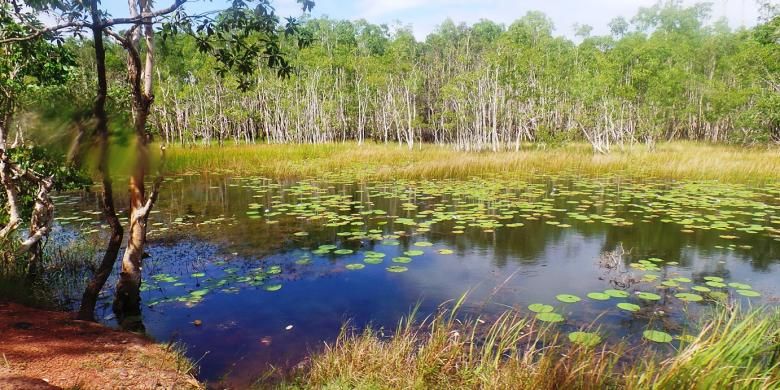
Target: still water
272, 270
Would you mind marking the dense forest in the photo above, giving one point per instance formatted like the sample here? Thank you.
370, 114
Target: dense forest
667, 73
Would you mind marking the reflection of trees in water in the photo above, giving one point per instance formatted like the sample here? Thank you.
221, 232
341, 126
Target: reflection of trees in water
211, 196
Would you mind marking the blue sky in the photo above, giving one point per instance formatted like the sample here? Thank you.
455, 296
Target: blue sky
425, 15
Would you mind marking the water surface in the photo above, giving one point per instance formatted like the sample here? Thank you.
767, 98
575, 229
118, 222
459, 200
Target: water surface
272, 269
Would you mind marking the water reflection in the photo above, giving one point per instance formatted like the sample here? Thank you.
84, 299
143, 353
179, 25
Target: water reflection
220, 245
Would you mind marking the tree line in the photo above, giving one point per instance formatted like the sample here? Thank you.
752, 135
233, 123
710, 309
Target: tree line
668, 73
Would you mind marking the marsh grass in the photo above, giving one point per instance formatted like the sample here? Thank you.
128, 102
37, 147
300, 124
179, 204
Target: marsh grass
734, 350
67, 268
677, 160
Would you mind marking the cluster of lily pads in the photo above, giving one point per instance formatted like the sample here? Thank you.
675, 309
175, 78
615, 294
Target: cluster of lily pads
713, 288
333, 216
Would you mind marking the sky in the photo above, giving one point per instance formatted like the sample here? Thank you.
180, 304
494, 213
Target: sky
425, 15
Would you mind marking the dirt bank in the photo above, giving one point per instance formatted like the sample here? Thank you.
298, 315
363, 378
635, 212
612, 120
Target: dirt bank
42, 349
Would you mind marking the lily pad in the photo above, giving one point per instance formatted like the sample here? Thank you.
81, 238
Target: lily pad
402, 259
540, 308
568, 298
689, 297
355, 266
397, 268
373, 260
598, 296
616, 293
549, 317
648, 296
749, 293
272, 287
413, 252
423, 243
585, 338
657, 336
628, 306
343, 251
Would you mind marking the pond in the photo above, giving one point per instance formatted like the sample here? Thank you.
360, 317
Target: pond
271, 270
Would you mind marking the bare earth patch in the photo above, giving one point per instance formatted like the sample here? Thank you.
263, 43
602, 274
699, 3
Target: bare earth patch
42, 349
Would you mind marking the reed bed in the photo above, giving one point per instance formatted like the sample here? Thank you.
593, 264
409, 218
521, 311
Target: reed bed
735, 349
677, 160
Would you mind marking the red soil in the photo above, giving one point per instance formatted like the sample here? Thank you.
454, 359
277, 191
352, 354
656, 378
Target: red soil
48, 350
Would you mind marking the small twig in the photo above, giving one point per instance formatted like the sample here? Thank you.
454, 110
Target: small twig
7, 364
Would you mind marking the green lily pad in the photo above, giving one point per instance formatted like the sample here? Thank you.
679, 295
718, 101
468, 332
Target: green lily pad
648, 296
549, 317
355, 266
272, 287
568, 298
373, 260
657, 336
397, 268
598, 296
749, 293
585, 338
343, 251
701, 289
616, 293
445, 251
413, 252
402, 259
540, 308
423, 243
628, 306
713, 278
740, 286
689, 297
715, 284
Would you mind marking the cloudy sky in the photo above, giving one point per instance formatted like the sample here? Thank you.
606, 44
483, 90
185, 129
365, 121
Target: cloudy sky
425, 15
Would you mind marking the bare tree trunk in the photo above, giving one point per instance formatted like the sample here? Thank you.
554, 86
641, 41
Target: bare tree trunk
91, 292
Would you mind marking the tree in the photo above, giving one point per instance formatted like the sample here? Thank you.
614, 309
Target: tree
237, 39
26, 66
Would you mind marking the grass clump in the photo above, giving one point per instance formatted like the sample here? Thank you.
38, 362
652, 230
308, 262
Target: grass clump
675, 160
733, 350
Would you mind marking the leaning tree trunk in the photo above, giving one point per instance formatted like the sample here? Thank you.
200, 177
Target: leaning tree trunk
127, 303
91, 292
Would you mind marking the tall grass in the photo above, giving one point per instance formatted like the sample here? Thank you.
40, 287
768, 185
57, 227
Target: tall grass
678, 160
66, 268
736, 350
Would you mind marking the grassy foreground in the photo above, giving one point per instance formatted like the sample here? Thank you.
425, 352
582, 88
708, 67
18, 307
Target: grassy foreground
734, 350
678, 160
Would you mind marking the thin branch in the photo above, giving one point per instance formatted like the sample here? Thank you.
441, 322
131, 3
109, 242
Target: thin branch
103, 24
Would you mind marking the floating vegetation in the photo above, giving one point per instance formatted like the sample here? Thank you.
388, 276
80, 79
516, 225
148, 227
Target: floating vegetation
585, 338
628, 306
322, 226
540, 308
648, 296
657, 336
689, 297
568, 298
598, 296
549, 317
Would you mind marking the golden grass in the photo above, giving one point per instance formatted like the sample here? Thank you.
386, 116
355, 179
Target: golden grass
678, 160
736, 351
